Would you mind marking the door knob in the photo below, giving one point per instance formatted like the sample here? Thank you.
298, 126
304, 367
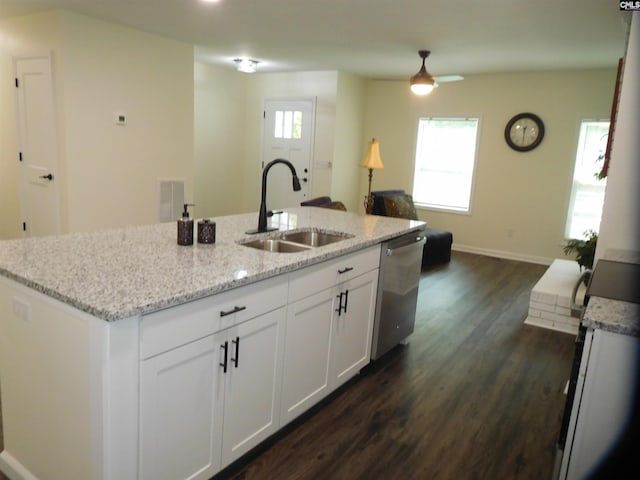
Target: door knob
48, 177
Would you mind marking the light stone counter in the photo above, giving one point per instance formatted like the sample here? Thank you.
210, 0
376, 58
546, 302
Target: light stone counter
121, 273
614, 315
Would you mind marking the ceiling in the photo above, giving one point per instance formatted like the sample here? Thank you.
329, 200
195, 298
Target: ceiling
377, 39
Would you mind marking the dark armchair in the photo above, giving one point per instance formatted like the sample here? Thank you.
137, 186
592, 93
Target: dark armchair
324, 202
397, 203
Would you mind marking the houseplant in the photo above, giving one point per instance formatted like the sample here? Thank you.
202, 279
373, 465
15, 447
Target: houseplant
585, 249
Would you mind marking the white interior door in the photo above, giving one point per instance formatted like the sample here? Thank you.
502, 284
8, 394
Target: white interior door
38, 146
288, 134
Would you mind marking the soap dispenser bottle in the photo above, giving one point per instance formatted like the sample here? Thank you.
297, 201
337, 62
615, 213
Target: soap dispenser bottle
185, 227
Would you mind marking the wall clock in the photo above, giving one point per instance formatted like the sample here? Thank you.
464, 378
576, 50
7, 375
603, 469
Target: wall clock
524, 132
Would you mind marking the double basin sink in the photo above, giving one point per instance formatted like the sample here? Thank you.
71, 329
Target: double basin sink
296, 241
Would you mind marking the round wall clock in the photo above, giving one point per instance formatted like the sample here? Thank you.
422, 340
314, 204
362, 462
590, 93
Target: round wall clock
524, 132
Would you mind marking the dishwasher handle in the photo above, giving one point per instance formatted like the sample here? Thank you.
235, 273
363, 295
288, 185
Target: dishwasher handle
403, 242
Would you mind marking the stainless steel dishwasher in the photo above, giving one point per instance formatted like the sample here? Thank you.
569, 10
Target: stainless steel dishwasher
400, 265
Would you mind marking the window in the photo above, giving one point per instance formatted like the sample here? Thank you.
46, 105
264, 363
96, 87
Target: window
445, 160
288, 124
587, 191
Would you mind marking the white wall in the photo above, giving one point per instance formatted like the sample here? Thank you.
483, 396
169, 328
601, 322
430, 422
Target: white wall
114, 169
322, 86
527, 193
350, 144
219, 141
229, 126
620, 225
39, 33
108, 174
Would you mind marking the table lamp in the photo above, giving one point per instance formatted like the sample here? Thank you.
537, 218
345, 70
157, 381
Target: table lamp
371, 161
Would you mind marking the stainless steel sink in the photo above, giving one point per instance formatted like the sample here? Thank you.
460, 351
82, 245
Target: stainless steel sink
296, 241
314, 238
276, 245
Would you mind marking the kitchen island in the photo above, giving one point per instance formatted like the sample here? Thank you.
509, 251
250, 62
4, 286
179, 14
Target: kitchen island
124, 355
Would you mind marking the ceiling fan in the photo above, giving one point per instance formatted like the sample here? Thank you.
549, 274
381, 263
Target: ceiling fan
422, 82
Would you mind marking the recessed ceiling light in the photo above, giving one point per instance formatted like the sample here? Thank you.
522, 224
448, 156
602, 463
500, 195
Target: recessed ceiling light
246, 65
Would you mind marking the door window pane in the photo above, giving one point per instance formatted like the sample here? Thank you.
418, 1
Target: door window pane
288, 124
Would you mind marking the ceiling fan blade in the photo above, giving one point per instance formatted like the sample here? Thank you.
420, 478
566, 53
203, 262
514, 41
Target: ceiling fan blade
448, 78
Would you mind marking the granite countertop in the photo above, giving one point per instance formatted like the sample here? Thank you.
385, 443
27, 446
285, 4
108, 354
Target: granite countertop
120, 273
614, 315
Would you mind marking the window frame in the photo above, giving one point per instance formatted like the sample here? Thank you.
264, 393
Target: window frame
571, 196
476, 159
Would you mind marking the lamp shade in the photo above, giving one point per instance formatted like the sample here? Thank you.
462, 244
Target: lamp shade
372, 158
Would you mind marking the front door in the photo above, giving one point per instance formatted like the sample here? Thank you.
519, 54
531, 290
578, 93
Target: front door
38, 146
288, 134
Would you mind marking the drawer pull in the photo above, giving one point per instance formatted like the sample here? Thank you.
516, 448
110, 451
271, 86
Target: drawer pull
232, 311
345, 270
225, 347
237, 343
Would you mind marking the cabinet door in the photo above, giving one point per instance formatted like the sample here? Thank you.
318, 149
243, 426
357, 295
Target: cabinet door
353, 326
602, 417
307, 346
252, 383
176, 413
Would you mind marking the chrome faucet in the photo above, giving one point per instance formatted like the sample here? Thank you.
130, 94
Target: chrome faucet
262, 218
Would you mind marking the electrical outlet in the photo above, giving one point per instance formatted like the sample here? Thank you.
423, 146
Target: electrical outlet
21, 309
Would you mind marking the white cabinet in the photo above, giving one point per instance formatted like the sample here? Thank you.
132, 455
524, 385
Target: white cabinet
220, 375
353, 325
248, 392
177, 422
205, 402
603, 404
308, 345
329, 328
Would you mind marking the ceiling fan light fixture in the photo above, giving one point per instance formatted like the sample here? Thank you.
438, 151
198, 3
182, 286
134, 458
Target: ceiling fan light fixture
422, 85
422, 82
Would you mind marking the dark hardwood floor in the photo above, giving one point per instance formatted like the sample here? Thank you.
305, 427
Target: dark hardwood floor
475, 395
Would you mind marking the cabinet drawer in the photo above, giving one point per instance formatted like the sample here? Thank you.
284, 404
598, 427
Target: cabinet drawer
315, 278
170, 328
239, 305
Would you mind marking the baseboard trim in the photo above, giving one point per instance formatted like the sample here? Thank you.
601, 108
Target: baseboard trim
502, 254
535, 322
12, 468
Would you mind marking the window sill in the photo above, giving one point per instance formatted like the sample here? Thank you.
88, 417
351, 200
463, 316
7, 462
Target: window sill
431, 208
